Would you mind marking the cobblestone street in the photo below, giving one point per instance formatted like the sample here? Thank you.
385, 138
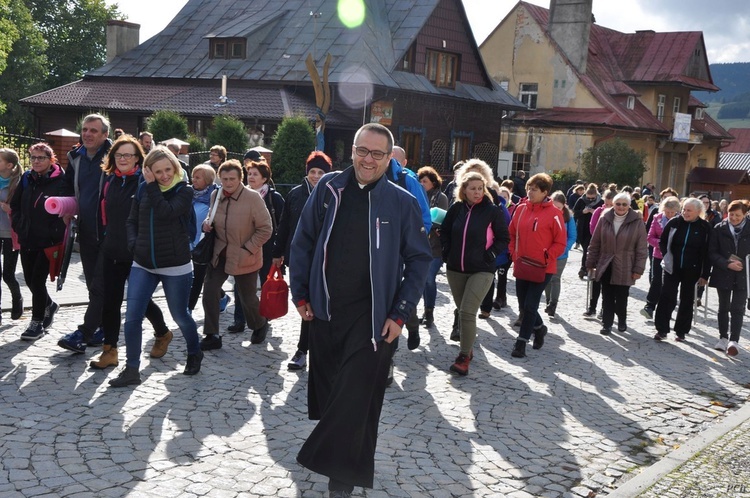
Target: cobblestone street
585, 413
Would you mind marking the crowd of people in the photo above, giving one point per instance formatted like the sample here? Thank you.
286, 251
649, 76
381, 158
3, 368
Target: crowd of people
363, 247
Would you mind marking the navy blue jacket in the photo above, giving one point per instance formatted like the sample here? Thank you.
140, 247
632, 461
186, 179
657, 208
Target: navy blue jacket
400, 253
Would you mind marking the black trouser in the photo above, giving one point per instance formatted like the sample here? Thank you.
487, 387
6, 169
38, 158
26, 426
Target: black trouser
682, 281
304, 337
529, 294
731, 301
596, 290
654, 290
10, 261
614, 300
502, 281
35, 271
91, 260
585, 241
114, 288
199, 275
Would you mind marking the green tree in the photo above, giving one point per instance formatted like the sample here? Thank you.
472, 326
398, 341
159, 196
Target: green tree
229, 132
9, 33
292, 143
27, 66
614, 161
166, 124
76, 34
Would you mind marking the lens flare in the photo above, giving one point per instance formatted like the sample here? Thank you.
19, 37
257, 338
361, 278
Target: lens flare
351, 12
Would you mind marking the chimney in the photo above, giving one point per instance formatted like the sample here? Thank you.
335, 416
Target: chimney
121, 37
569, 25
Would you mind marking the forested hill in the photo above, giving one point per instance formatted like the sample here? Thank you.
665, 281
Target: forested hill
734, 80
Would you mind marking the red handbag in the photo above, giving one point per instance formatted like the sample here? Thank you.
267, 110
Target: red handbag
274, 295
526, 268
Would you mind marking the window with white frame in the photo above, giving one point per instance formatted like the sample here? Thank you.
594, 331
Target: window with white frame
662, 99
699, 113
528, 93
631, 102
676, 105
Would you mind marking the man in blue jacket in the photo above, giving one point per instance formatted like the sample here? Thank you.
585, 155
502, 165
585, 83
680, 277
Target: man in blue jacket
402, 176
361, 257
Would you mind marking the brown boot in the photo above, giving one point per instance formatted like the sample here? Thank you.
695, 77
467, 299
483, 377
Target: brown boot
161, 344
108, 358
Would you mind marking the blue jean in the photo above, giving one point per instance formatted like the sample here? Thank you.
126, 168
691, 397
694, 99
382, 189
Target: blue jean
529, 294
430, 286
141, 286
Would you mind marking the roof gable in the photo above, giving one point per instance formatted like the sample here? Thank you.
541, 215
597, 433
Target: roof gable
742, 140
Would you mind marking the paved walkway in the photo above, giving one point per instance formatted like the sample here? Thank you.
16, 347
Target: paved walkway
582, 416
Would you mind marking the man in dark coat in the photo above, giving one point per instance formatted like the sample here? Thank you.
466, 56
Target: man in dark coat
361, 257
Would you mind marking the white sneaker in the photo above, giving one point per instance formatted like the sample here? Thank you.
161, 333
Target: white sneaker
722, 344
733, 348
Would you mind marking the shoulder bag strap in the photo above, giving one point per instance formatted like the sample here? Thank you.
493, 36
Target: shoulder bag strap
215, 206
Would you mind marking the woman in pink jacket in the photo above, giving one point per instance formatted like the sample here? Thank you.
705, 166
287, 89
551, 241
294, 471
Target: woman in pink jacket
537, 232
668, 209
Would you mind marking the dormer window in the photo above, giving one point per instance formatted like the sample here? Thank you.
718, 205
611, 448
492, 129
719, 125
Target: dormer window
631, 102
442, 68
408, 60
698, 113
228, 48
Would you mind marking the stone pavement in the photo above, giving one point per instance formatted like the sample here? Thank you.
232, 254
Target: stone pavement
580, 417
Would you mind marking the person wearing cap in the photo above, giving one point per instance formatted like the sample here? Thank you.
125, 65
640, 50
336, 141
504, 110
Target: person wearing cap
318, 164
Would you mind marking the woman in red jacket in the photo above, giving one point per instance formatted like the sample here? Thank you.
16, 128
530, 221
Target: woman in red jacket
537, 234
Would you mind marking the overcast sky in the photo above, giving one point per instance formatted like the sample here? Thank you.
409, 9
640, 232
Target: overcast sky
725, 23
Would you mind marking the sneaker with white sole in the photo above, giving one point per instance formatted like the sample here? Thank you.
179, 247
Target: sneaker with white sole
298, 361
34, 331
722, 344
733, 349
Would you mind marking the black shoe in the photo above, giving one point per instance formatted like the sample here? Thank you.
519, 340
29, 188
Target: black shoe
539, 335
210, 341
551, 309
429, 318
16, 311
33, 332
49, 315
259, 335
605, 330
499, 304
589, 313
519, 350
413, 342
236, 327
130, 376
622, 327
193, 363
581, 273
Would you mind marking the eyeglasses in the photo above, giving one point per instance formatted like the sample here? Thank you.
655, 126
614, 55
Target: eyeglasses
376, 154
622, 204
39, 158
124, 156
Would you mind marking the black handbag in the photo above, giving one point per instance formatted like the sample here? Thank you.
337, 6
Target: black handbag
203, 251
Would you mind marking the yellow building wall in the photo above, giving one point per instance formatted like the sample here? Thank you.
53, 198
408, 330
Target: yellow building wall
519, 52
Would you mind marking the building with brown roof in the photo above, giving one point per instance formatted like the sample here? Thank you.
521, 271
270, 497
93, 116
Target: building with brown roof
584, 84
412, 65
